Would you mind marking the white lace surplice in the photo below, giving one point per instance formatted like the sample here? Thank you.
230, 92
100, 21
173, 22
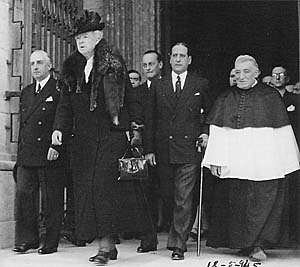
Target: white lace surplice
256, 154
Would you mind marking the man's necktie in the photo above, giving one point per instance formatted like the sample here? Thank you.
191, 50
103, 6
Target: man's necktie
178, 87
38, 89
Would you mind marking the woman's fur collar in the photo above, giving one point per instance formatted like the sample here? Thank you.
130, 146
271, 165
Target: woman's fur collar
108, 69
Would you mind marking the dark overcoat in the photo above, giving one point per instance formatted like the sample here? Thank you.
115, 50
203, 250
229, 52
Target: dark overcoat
103, 205
37, 115
174, 125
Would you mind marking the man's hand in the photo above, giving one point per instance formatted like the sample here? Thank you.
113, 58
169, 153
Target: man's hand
203, 139
150, 157
52, 154
215, 170
57, 138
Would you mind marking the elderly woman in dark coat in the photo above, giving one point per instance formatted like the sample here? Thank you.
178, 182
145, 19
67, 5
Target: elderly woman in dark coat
98, 104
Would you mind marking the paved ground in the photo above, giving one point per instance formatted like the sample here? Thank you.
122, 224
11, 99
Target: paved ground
69, 255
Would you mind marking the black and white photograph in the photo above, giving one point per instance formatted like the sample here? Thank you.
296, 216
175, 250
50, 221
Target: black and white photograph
150, 133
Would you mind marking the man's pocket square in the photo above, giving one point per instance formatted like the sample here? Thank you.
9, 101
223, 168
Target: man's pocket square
291, 108
198, 93
49, 99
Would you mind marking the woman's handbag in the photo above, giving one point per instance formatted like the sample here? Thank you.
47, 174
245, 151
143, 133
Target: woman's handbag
133, 168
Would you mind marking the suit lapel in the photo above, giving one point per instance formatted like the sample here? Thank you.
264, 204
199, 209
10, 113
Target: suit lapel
38, 99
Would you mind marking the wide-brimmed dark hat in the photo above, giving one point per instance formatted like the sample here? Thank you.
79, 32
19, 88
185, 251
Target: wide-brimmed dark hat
86, 22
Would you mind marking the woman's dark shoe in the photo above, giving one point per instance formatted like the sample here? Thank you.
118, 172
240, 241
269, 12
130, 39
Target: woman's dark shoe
101, 257
113, 255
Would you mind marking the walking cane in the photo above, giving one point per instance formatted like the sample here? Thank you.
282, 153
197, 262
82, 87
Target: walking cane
200, 203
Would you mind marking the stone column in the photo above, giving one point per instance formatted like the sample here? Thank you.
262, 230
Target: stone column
10, 32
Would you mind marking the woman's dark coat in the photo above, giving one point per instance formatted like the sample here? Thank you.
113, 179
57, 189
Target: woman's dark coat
103, 205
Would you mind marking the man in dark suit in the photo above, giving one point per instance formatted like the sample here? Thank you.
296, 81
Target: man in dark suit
279, 81
152, 65
179, 105
39, 164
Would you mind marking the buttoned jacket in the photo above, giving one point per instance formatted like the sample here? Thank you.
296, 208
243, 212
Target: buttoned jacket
259, 106
37, 113
175, 124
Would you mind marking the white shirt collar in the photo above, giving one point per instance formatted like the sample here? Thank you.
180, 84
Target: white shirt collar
88, 68
42, 83
182, 79
148, 83
255, 83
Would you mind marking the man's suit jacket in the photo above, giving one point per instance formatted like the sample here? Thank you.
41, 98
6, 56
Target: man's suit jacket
37, 113
175, 124
292, 103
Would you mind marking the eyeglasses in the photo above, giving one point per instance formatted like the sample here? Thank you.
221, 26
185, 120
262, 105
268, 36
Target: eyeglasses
278, 75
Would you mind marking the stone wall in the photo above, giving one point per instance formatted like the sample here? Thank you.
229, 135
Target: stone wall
7, 193
10, 38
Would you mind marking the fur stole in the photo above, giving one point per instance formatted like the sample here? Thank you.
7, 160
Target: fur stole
109, 71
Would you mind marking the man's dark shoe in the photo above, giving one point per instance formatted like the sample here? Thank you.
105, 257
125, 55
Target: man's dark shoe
100, 258
25, 246
141, 249
177, 254
112, 254
47, 250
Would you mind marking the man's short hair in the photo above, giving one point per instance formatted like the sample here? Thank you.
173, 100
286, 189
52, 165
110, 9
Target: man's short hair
44, 53
158, 55
245, 58
135, 71
189, 51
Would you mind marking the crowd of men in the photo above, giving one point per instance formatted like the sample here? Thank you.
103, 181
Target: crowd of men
82, 122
